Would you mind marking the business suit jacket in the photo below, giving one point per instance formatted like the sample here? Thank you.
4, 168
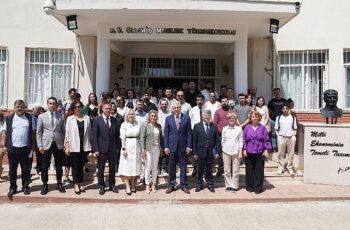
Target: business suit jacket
147, 136
72, 134
106, 140
45, 134
203, 145
177, 140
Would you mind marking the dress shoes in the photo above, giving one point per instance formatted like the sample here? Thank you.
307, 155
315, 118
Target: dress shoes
77, 192
211, 189
44, 189
169, 190
60, 188
102, 191
11, 192
198, 188
113, 189
26, 190
186, 190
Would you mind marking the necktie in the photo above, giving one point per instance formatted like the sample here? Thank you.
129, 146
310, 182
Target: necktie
207, 129
177, 121
107, 122
200, 113
52, 121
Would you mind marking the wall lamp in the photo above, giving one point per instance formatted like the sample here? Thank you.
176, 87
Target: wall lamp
72, 22
274, 26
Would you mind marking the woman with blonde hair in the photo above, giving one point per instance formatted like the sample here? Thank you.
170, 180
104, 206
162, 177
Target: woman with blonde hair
130, 159
151, 145
232, 143
256, 144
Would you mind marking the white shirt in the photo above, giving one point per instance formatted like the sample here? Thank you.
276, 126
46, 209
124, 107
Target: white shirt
20, 131
54, 117
195, 115
122, 111
205, 94
156, 136
285, 126
232, 139
212, 108
161, 118
185, 108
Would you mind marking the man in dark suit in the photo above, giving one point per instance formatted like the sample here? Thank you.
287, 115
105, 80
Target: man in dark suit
177, 144
106, 144
206, 147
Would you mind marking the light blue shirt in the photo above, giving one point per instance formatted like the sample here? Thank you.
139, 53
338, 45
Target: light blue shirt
141, 118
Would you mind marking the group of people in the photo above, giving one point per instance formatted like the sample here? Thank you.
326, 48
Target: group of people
141, 137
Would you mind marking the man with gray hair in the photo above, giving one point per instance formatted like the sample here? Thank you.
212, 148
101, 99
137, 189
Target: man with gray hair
206, 147
177, 145
17, 141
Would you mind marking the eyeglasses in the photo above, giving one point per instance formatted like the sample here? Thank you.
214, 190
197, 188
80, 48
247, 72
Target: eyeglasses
180, 95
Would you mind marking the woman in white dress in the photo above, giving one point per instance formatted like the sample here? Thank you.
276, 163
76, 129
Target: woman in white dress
130, 158
264, 111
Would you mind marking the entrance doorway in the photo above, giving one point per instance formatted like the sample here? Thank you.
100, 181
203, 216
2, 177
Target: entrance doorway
158, 83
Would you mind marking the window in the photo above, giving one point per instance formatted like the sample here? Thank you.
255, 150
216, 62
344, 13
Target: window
3, 75
170, 71
347, 77
48, 73
304, 77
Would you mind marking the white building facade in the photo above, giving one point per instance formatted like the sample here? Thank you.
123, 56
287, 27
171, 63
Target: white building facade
164, 43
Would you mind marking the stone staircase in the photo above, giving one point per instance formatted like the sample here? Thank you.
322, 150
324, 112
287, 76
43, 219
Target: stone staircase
271, 176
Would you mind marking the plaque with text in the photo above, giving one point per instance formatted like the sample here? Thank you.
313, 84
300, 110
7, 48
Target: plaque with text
326, 150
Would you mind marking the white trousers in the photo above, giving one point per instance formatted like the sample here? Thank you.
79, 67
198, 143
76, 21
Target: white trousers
231, 170
151, 165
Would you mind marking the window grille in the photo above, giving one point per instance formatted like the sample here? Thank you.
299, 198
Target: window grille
303, 77
48, 73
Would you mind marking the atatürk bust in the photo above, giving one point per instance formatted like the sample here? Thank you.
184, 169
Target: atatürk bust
330, 96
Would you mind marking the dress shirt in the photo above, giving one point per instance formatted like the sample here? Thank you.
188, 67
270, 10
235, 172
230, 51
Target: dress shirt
20, 129
231, 139
109, 120
256, 141
161, 118
195, 116
185, 108
141, 117
54, 117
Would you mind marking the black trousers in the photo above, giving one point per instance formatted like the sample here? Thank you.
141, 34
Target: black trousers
101, 161
39, 160
58, 155
163, 163
254, 172
19, 156
78, 161
205, 164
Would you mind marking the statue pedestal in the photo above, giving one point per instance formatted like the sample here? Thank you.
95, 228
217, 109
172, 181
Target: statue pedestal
326, 149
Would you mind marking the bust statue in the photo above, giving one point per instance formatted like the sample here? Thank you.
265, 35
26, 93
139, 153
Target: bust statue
330, 96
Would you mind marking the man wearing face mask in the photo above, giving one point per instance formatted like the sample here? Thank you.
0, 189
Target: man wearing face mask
221, 121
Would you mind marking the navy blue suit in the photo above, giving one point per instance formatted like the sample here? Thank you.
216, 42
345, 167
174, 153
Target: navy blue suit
177, 140
106, 141
204, 146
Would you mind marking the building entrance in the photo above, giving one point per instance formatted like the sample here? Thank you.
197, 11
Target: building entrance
158, 83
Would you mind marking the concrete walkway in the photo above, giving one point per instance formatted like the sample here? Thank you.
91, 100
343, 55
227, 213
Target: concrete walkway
303, 215
274, 192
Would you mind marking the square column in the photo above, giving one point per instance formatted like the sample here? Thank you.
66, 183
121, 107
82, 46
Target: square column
102, 65
241, 67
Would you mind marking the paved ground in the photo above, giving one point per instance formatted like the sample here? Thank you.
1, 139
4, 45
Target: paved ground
303, 215
274, 192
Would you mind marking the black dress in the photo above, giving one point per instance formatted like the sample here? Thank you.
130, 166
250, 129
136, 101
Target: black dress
78, 158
